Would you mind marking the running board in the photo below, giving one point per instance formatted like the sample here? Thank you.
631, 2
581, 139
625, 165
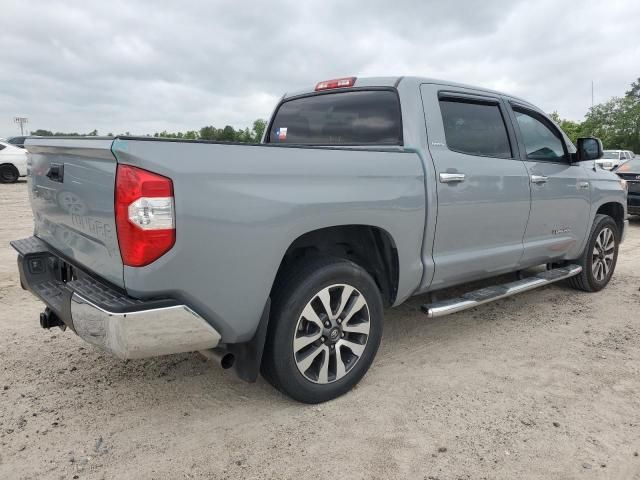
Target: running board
496, 292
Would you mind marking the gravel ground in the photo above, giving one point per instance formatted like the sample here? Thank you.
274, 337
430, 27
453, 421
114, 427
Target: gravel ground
542, 385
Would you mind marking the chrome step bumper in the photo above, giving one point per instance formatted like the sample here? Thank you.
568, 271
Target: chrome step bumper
496, 292
142, 333
106, 316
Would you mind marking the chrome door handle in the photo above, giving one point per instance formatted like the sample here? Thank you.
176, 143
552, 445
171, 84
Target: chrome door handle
539, 179
451, 177
584, 185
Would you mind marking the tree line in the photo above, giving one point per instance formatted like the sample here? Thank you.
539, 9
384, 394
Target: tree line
616, 122
226, 134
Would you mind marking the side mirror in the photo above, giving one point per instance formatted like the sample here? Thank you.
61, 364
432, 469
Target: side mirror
589, 148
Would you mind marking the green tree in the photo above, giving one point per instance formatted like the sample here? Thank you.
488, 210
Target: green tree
42, 133
208, 133
191, 135
572, 129
616, 122
259, 127
634, 91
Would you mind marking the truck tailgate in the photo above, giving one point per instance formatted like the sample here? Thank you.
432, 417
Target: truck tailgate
71, 187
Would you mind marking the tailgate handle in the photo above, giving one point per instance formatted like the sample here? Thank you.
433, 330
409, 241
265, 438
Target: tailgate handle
56, 172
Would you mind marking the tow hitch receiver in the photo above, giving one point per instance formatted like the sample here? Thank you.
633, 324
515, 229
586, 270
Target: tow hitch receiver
48, 319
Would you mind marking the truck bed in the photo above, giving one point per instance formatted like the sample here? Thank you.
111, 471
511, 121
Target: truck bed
237, 209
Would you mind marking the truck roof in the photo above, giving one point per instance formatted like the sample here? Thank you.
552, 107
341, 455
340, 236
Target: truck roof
394, 81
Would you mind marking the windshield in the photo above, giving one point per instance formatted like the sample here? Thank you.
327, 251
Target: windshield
632, 166
346, 118
611, 155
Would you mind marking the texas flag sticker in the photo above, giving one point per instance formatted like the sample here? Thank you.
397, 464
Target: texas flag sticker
281, 133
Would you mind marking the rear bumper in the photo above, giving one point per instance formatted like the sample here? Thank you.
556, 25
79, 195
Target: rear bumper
106, 316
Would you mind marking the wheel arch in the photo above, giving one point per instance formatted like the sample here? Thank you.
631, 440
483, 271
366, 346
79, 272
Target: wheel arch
371, 247
614, 210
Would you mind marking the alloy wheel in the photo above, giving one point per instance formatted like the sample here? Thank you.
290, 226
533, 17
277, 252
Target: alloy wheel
603, 254
331, 334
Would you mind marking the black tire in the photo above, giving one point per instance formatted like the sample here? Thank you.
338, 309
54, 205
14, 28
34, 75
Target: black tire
9, 173
292, 295
587, 280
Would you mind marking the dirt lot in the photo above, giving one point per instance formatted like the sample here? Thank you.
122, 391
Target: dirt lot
544, 385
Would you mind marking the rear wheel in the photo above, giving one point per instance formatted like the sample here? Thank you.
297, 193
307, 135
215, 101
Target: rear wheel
9, 173
324, 331
598, 261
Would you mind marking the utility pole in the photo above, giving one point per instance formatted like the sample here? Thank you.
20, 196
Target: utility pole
591, 93
22, 121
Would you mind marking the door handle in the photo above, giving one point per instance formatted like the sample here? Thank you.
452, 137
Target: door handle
539, 179
452, 177
584, 185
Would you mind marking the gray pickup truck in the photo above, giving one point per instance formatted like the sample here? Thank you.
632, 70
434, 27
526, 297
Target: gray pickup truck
279, 258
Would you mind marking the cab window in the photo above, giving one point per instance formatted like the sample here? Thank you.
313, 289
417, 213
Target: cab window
541, 141
475, 128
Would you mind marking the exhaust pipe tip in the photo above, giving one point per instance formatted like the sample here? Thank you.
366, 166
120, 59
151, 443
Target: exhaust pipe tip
227, 360
223, 358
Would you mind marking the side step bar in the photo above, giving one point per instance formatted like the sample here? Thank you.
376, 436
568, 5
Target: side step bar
496, 292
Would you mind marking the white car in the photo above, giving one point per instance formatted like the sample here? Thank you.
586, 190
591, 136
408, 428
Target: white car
13, 163
614, 158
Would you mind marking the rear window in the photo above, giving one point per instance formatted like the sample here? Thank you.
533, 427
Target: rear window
345, 118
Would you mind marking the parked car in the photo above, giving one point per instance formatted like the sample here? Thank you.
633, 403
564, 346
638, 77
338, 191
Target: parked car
17, 141
280, 257
630, 172
613, 158
13, 163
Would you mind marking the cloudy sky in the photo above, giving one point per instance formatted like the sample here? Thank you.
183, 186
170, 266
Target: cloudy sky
148, 66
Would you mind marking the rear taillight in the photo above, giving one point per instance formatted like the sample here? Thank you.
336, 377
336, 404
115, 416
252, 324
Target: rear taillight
336, 83
144, 215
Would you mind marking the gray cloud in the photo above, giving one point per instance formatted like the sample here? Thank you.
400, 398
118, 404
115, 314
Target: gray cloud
142, 67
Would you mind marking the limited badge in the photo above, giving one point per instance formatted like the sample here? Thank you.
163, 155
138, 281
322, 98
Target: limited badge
281, 133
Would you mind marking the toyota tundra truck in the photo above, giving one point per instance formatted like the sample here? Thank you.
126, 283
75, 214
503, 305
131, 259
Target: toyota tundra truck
280, 258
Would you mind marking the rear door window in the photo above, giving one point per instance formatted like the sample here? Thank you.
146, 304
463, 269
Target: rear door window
344, 118
475, 128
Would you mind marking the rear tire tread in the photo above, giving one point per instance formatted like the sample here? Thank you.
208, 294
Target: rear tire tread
286, 288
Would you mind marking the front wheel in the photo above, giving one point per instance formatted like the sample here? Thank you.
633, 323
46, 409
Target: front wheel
598, 261
324, 331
